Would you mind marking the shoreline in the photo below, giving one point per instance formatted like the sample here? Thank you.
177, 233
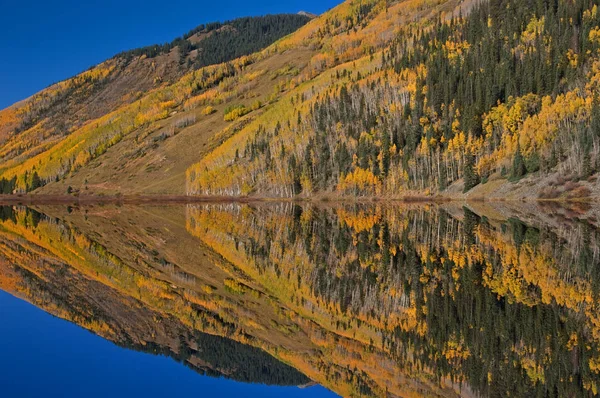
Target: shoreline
24, 199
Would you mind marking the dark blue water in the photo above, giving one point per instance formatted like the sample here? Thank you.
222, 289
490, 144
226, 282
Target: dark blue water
41, 355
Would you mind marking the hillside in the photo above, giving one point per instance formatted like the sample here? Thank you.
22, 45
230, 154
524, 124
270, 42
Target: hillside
374, 98
59, 130
499, 91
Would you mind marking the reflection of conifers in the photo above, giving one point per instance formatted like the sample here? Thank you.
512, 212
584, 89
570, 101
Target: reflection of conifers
35, 274
219, 356
500, 307
362, 299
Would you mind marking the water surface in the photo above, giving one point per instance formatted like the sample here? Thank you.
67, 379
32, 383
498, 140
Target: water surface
46, 356
292, 300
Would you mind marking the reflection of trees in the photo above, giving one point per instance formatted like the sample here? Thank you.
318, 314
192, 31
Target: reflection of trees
31, 270
363, 299
504, 307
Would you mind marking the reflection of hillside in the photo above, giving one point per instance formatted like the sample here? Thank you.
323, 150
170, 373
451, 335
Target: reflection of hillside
443, 294
49, 264
413, 301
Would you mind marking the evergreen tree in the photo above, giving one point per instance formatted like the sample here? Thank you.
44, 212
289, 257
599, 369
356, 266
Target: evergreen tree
471, 177
35, 183
518, 169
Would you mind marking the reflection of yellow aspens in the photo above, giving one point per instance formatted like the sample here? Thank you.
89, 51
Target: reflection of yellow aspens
445, 256
356, 297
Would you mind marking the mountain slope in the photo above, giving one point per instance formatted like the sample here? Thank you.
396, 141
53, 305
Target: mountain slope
461, 98
59, 130
495, 91
147, 145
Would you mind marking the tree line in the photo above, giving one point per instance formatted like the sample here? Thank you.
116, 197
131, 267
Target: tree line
225, 41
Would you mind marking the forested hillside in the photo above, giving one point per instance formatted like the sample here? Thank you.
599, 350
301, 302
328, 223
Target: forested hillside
385, 98
497, 91
56, 132
217, 42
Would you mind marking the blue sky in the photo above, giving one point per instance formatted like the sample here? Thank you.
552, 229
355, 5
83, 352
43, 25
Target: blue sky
42, 42
41, 355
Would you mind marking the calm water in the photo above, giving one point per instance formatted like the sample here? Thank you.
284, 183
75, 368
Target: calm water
46, 356
289, 300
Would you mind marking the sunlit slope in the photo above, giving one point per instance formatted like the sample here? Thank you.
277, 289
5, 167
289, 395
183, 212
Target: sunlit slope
373, 98
428, 97
141, 98
267, 157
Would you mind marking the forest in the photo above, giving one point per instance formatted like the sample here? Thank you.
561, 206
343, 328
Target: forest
375, 98
507, 90
225, 41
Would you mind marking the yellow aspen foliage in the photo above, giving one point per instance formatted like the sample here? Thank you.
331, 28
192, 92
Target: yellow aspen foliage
209, 110
235, 113
360, 182
595, 35
455, 50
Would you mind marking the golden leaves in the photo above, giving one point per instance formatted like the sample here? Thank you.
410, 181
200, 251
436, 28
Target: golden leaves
360, 182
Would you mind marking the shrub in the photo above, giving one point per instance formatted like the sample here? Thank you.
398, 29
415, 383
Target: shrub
209, 110
185, 121
234, 113
256, 105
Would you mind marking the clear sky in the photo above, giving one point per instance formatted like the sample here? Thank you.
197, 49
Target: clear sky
43, 42
43, 356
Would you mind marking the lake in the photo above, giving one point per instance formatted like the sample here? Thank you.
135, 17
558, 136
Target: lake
284, 299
